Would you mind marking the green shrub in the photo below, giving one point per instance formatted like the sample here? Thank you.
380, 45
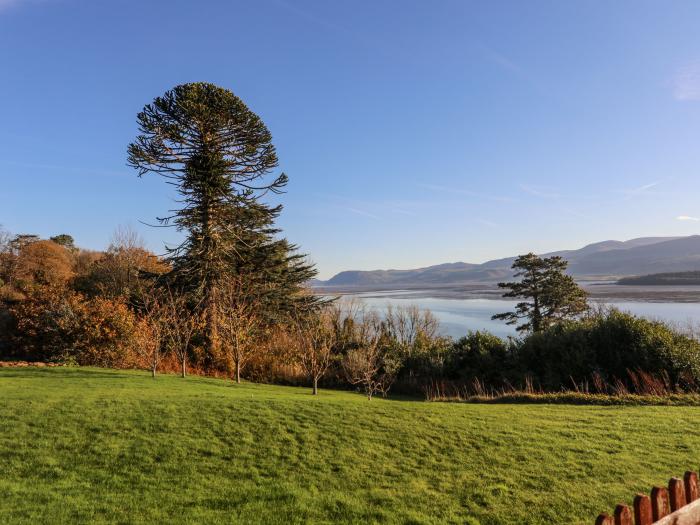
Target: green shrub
483, 356
612, 350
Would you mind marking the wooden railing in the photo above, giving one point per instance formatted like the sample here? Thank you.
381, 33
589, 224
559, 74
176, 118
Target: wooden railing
679, 504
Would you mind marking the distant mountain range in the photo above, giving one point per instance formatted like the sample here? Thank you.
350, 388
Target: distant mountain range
607, 259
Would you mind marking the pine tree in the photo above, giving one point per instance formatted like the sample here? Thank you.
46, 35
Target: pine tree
553, 295
219, 155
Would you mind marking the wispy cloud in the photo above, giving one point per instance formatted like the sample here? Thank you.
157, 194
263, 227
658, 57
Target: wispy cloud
687, 218
574, 213
641, 190
512, 67
538, 191
313, 16
500, 59
468, 193
645, 187
402, 211
488, 223
686, 83
363, 213
310, 16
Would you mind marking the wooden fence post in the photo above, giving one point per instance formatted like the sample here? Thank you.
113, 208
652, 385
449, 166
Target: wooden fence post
676, 493
690, 479
660, 506
642, 510
623, 516
679, 504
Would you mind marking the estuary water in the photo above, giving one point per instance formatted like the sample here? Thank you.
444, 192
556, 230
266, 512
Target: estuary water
458, 316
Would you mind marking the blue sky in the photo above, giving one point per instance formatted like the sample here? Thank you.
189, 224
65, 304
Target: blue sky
413, 132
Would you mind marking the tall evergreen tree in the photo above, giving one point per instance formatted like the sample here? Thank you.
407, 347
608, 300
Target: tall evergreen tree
64, 240
219, 155
551, 294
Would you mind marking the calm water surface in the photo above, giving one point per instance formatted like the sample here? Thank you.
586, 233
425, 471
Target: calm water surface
458, 316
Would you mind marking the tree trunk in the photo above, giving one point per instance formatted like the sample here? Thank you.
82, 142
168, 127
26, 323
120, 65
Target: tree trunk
238, 372
369, 395
184, 361
212, 326
315, 391
153, 372
211, 317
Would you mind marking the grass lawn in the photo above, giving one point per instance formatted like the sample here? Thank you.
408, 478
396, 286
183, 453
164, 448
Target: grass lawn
89, 445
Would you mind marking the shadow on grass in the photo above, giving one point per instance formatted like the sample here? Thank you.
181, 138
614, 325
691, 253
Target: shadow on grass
87, 373
68, 372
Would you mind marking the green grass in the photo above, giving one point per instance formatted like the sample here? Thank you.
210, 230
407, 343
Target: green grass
88, 445
581, 398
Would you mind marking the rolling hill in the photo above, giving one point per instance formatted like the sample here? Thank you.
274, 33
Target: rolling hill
643, 255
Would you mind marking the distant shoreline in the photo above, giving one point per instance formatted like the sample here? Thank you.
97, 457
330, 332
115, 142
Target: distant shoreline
597, 290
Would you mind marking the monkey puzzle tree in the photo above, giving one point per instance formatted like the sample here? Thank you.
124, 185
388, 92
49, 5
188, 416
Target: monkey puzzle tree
552, 295
218, 154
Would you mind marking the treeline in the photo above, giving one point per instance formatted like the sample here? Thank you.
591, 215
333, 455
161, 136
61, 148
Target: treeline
117, 309
64, 304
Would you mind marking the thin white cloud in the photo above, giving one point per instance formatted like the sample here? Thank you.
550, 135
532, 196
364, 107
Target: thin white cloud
646, 187
374, 209
507, 64
311, 16
401, 211
574, 213
641, 190
457, 191
363, 213
488, 223
545, 193
687, 218
500, 59
686, 83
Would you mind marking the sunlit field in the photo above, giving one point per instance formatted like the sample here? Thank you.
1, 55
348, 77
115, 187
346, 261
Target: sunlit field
112, 446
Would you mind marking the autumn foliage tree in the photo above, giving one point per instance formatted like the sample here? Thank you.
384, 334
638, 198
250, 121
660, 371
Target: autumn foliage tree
315, 340
179, 325
59, 324
240, 324
43, 263
156, 318
122, 270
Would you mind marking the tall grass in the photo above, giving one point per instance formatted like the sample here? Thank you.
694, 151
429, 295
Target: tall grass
647, 388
